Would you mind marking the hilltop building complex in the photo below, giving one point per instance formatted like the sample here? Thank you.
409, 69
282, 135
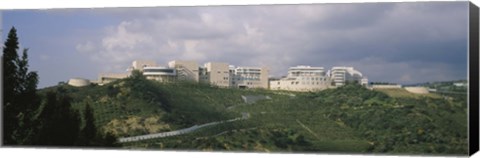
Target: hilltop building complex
215, 73
299, 78
307, 78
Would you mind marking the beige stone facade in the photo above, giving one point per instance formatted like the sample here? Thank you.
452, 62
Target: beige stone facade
250, 77
186, 70
217, 74
302, 78
385, 86
78, 82
341, 75
417, 90
162, 74
105, 78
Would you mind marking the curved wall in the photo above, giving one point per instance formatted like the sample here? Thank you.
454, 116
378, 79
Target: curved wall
417, 90
78, 82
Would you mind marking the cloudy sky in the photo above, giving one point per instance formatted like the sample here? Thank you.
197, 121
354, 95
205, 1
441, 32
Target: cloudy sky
391, 42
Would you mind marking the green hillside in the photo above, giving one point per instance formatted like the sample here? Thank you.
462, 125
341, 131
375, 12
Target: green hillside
346, 119
402, 93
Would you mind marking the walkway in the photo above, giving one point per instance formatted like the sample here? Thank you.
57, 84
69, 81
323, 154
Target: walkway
178, 132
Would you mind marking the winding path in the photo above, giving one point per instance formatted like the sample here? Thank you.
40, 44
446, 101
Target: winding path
178, 132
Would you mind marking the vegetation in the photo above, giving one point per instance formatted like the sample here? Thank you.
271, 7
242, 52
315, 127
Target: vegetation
47, 118
20, 99
404, 124
402, 93
346, 119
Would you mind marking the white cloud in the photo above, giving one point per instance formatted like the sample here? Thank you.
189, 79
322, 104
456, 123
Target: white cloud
285, 35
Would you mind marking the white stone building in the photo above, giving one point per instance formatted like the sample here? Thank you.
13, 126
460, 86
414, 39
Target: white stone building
186, 70
163, 74
341, 75
79, 82
302, 78
249, 77
215, 73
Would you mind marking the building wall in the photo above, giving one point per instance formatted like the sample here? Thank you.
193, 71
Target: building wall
303, 78
78, 82
301, 85
186, 70
203, 75
162, 74
105, 78
218, 74
264, 77
250, 77
340, 75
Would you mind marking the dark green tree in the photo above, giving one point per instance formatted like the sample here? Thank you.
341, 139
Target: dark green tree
20, 98
59, 124
89, 131
137, 75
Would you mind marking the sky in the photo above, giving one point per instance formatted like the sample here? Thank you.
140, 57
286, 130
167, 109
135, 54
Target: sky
408, 42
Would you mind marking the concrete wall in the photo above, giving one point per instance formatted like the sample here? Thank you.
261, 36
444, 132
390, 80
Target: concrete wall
417, 90
242, 80
303, 78
78, 82
385, 86
218, 74
109, 77
264, 77
297, 84
186, 70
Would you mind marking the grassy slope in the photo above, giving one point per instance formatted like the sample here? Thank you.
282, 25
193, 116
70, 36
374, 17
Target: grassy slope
402, 93
349, 119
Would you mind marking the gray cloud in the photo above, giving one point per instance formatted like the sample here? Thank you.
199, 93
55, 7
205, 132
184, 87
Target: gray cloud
396, 42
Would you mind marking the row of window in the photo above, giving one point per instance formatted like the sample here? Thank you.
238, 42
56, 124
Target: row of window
239, 78
159, 70
248, 70
248, 83
304, 83
313, 78
307, 73
248, 73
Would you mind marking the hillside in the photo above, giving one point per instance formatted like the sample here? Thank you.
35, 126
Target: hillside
347, 119
402, 93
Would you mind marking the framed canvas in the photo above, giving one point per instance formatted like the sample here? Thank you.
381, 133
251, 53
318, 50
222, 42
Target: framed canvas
374, 78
